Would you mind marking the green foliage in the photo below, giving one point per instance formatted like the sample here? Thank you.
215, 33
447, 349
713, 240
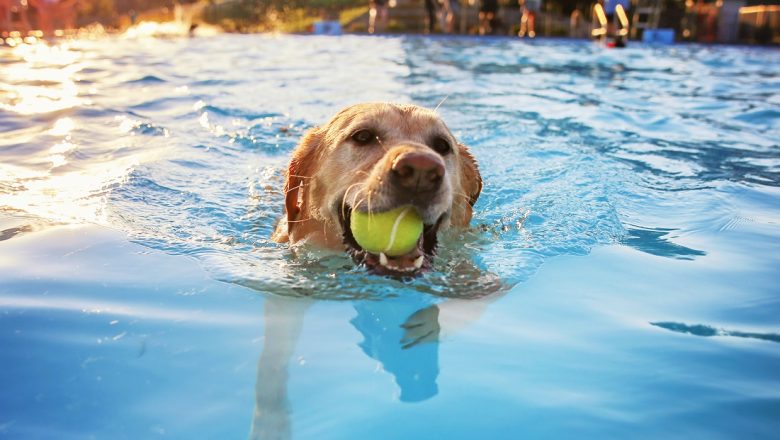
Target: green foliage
264, 15
317, 4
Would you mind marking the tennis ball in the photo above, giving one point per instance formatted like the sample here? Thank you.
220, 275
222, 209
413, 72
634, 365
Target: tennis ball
393, 232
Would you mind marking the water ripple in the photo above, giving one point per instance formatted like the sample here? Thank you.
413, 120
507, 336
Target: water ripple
579, 147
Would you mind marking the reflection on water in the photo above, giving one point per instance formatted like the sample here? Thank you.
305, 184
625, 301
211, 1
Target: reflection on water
283, 319
40, 79
408, 351
50, 166
414, 366
401, 334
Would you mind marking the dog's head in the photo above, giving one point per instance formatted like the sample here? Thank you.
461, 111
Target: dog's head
376, 157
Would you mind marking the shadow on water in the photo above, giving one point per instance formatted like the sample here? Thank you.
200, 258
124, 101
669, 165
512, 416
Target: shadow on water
708, 331
655, 242
7, 234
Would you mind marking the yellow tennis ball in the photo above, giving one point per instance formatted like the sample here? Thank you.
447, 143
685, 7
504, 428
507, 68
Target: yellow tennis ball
393, 232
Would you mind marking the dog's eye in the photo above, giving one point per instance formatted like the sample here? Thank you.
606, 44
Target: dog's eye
441, 146
363, 137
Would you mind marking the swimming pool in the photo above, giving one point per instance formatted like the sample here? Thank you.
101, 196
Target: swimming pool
624, 258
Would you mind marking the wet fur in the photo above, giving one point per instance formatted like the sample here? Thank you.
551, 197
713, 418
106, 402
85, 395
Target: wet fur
327, 170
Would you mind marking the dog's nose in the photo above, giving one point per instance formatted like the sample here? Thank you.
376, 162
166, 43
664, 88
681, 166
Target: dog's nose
418, 172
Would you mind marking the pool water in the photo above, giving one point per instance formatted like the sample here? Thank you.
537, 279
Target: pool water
620, 279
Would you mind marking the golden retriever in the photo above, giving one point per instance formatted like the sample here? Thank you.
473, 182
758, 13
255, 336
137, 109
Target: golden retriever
376, 157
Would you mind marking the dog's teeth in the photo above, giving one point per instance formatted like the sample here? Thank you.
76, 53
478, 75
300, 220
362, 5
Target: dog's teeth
383, 259
419, 262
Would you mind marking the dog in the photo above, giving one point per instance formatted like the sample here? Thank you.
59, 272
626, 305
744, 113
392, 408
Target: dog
375, 157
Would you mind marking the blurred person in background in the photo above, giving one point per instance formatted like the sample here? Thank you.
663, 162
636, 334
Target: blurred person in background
53, 13
5, 15
449, 10
575, 24
430, 10
488, 9
377, 16
617, 10
13, 16
528, 20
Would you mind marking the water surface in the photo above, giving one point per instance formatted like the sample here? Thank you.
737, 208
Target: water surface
620, 278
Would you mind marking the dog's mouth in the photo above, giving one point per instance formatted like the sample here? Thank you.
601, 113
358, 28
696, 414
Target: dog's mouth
418, 260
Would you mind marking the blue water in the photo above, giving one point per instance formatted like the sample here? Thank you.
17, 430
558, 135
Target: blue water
620, 279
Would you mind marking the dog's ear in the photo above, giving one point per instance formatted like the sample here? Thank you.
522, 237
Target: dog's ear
302, 167
471, 180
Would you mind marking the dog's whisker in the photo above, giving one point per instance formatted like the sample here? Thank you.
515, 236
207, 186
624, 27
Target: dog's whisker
369, 204
344, 199
461, 194
294, 189
441, 102
349, 188
344, 207
358, 203
300, 177
300, 221
381, 144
